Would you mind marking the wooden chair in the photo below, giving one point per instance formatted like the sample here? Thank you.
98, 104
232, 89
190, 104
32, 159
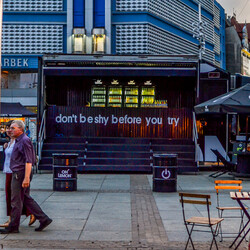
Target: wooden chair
228, 165
229, 185
191, 223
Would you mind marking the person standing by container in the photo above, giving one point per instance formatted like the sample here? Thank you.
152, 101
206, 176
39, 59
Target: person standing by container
22, 159
6, 169
3, 134
27, 131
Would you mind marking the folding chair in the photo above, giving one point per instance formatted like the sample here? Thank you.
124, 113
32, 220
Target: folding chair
228, 165
229, 185
200, 199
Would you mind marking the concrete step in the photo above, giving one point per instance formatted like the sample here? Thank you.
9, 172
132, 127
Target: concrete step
117, 147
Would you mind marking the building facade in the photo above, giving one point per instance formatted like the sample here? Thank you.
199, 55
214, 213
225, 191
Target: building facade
237, 47
30, 29
123, 27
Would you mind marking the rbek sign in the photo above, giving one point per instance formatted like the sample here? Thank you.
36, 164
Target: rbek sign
19, 62
15, 62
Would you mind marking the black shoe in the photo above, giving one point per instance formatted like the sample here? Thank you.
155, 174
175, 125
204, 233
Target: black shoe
8, 231
43, 225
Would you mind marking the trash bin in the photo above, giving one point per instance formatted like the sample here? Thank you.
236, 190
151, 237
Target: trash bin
165, 172
65, 172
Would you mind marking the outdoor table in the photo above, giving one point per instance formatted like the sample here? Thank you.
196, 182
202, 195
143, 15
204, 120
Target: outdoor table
239, 197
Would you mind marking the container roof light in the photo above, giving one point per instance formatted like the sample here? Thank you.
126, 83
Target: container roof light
131, 82
115, 82
98, 81
148, 83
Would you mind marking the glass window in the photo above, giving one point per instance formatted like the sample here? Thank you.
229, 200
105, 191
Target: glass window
98, 40
79, 41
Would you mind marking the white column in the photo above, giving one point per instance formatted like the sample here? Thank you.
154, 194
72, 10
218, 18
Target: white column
69, 25
108, 25
89, 24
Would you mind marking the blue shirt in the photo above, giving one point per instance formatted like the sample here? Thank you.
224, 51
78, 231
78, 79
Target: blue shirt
8, 152
23, 152
27, 132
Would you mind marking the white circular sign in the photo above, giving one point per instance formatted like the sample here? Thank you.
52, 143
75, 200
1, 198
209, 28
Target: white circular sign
166, 174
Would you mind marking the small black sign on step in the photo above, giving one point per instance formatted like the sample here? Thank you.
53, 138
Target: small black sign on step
65, 172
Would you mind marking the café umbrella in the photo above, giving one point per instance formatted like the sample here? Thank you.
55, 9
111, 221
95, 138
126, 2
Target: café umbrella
236, 101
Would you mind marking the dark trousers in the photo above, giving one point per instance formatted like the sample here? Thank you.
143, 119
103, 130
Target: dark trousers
21, 196
8, 196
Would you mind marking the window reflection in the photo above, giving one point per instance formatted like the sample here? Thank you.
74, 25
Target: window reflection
98, 36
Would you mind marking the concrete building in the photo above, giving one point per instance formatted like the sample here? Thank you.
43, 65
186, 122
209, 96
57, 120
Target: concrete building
33, 28
237, 47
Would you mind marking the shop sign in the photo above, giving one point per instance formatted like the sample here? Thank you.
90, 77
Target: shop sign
214, 75
63, 173
112, 119
14, 62
112, 122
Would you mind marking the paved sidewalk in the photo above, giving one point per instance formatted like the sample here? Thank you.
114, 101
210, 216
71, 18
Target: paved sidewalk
114, 212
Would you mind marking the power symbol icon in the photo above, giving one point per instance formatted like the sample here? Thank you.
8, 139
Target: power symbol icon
166, 174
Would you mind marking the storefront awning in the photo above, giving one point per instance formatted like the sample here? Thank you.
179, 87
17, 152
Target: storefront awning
14, 110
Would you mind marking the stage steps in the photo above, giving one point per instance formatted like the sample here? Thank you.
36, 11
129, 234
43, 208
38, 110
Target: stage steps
118, 154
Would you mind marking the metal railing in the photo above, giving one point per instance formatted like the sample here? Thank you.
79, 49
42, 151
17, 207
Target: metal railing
195, 139
41, 136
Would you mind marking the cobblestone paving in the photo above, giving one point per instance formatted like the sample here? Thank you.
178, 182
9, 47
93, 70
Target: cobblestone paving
147, 228
38, 244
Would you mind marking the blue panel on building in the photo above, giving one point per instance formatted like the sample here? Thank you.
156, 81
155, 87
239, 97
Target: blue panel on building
35, 17
78, 14
19, 62
99, 13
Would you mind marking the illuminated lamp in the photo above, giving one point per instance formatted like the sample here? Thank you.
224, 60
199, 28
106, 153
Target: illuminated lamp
115, 82
148, 83
131, 82
79, 40
98, 40
98, 82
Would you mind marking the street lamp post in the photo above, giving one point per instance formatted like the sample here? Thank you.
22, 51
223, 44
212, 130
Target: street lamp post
199, 33
199, 29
